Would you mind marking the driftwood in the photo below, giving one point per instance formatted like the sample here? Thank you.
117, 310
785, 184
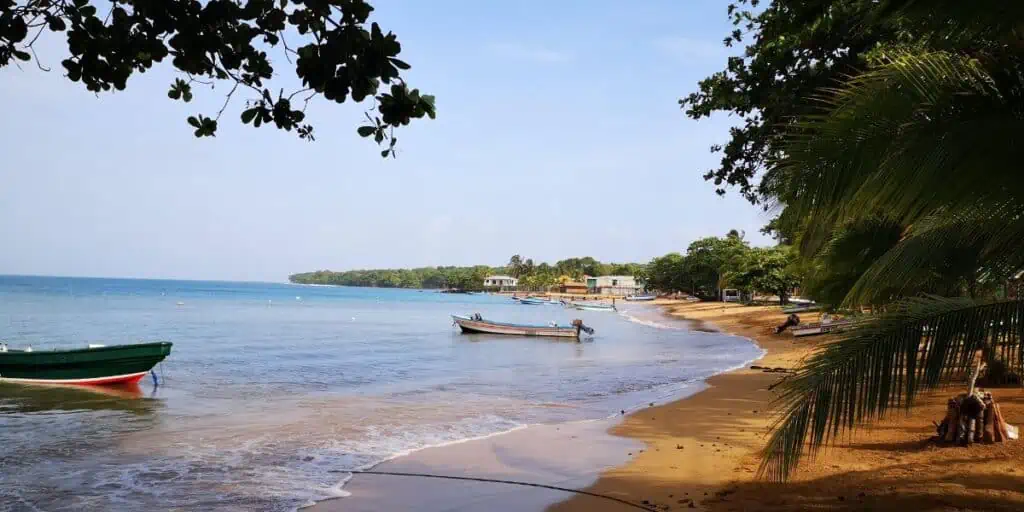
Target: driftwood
791, 321
973, 418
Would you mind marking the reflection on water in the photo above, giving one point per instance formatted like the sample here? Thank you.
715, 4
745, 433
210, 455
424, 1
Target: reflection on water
26, 399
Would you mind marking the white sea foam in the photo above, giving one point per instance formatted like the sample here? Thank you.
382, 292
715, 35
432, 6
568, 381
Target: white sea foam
648, 322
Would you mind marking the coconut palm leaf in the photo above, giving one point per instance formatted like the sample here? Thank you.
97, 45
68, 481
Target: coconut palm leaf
919, 133
953, 23
920, 344
975, 247
852, 249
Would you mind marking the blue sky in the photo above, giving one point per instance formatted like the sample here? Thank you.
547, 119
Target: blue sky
558, 135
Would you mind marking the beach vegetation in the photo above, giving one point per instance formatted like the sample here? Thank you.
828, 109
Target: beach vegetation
894, 179
768, 270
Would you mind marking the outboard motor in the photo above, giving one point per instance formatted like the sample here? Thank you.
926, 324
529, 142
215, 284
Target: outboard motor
578, 324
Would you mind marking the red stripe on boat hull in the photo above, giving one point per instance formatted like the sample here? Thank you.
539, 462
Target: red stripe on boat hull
131, 378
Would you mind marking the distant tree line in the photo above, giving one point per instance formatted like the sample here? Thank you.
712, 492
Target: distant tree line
709, 265
531, 276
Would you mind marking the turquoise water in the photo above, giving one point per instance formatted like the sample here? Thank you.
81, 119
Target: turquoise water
272, 387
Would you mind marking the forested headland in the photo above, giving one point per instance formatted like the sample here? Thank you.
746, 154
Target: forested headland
707, 265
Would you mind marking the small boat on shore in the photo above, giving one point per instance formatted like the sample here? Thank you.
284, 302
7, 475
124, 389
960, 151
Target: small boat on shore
94, 365
817, 328
539, 301
477, 324
592, 307
640, 298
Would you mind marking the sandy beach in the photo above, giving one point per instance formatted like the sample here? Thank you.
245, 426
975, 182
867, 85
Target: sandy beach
702, 452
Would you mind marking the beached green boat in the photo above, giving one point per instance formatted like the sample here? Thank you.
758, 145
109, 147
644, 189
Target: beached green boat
97, 364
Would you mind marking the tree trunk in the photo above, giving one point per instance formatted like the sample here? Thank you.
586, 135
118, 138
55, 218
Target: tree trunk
974, 376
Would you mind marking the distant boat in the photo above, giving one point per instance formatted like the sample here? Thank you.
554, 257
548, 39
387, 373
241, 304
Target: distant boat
95, 365
639, 298
592, 307
801, 308
538, 301
476, 324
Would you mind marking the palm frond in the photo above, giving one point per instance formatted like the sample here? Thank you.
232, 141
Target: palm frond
921, 343
954, 23
917, 133
977, 246
852, 249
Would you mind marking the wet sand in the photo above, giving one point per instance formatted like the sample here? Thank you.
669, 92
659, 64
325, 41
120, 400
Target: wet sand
702, 451
569, 455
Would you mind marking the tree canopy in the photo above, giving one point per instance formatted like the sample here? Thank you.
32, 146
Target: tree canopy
769, 270
793, 49
335, 54
896, 181
713, 263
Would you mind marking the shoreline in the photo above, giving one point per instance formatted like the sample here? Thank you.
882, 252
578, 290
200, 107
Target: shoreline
585, 448
694, 443
702, 452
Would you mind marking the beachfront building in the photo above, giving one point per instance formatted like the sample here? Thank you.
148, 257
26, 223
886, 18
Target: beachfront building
501, 282
614, 285
573, 288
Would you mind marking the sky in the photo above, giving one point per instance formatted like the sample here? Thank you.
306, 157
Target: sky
558, 135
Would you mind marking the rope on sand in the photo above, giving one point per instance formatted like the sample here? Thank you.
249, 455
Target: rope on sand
498, 481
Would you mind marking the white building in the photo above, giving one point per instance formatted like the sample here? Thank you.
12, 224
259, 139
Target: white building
500, 282
614, 285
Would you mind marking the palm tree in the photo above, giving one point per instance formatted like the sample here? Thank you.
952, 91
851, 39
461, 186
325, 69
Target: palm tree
926, 140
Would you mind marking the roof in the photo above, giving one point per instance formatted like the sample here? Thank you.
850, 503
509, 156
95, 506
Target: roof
500, 277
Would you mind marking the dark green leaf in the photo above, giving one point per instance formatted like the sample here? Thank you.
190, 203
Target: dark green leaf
20, 55
365, 131
193, 121
248, 115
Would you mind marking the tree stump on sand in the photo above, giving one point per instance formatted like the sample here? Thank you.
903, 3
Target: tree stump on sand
974, 417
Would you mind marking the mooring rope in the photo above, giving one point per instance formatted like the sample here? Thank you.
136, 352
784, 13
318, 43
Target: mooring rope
499, 481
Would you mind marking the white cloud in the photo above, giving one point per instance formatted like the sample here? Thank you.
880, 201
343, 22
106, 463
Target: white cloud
526, 52
688, 49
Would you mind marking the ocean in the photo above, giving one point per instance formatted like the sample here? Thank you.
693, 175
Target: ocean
271, 389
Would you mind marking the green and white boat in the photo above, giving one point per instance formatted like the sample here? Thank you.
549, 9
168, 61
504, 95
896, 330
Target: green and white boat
94, 365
